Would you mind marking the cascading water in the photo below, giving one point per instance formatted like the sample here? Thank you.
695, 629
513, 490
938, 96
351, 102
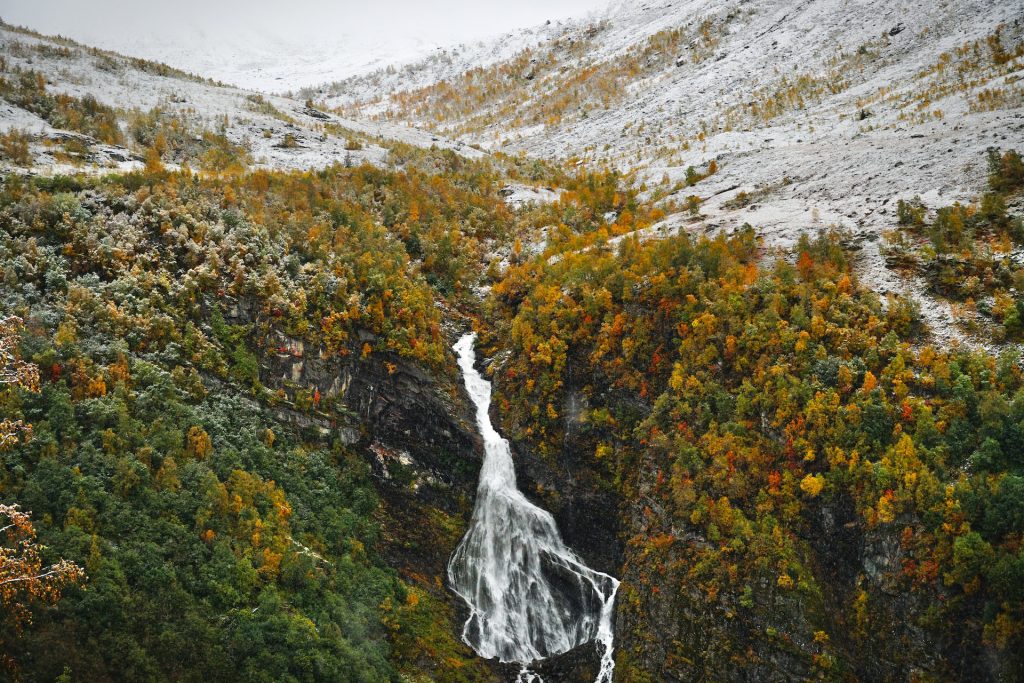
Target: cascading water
529, 596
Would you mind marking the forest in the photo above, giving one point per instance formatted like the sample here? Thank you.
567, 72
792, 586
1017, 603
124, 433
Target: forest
785, 446
790, 451
163, 499
154, 463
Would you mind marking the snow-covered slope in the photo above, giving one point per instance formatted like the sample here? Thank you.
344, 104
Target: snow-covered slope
269, 62
372, 86
278, 132
816, 112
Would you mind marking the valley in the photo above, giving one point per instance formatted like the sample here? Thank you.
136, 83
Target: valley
680, 341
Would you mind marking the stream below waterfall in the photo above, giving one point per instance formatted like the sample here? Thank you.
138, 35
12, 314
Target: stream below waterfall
530, 597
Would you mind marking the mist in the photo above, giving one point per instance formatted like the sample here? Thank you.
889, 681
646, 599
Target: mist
117, 24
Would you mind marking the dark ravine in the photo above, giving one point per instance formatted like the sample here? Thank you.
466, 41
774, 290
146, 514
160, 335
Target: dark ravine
416, 430
531, 596
585, 509
414, 427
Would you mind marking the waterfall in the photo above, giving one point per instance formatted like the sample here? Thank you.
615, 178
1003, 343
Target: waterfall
529, 595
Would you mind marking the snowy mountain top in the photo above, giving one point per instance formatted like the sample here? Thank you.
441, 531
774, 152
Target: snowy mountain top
277, 131
282, 47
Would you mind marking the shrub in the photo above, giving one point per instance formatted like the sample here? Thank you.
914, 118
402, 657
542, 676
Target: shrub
14, 147
1006, 171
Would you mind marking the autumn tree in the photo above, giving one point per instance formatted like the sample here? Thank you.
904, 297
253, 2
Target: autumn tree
17, 373
24, 579
155, 153
23, 576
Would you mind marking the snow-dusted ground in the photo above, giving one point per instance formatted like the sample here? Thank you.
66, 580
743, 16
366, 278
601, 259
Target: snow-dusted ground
517, 195
371, 87
258, 122
822, 112
269, 62
860, 115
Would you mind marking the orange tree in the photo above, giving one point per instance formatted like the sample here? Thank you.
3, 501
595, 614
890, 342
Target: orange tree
735, 407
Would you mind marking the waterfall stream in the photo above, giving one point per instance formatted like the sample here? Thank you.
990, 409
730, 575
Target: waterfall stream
529, 596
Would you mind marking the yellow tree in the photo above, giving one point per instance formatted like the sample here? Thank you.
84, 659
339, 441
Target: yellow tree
155, 154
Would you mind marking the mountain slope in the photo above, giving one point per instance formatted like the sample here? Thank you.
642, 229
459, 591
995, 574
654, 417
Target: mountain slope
250, 431
815, 113
144, 97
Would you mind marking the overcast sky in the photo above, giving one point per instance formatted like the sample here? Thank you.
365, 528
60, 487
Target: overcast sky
283, 44
435, 20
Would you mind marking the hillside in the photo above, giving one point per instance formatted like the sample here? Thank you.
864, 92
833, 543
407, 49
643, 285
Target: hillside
816, 113
679, 342
138, 100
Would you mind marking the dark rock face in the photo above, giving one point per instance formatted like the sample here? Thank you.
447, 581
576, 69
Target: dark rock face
837, 535
586, 516
406, 419
416, 430
579, 665
585, 510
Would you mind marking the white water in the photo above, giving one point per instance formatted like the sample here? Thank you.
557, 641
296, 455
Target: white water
529, 596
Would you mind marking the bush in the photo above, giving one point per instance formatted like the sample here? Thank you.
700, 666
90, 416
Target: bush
1006, 171
910, 213
14, 147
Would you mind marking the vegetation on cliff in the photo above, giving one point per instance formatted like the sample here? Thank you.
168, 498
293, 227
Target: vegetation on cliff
801, 475
968, 253
220, 539
806, 484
